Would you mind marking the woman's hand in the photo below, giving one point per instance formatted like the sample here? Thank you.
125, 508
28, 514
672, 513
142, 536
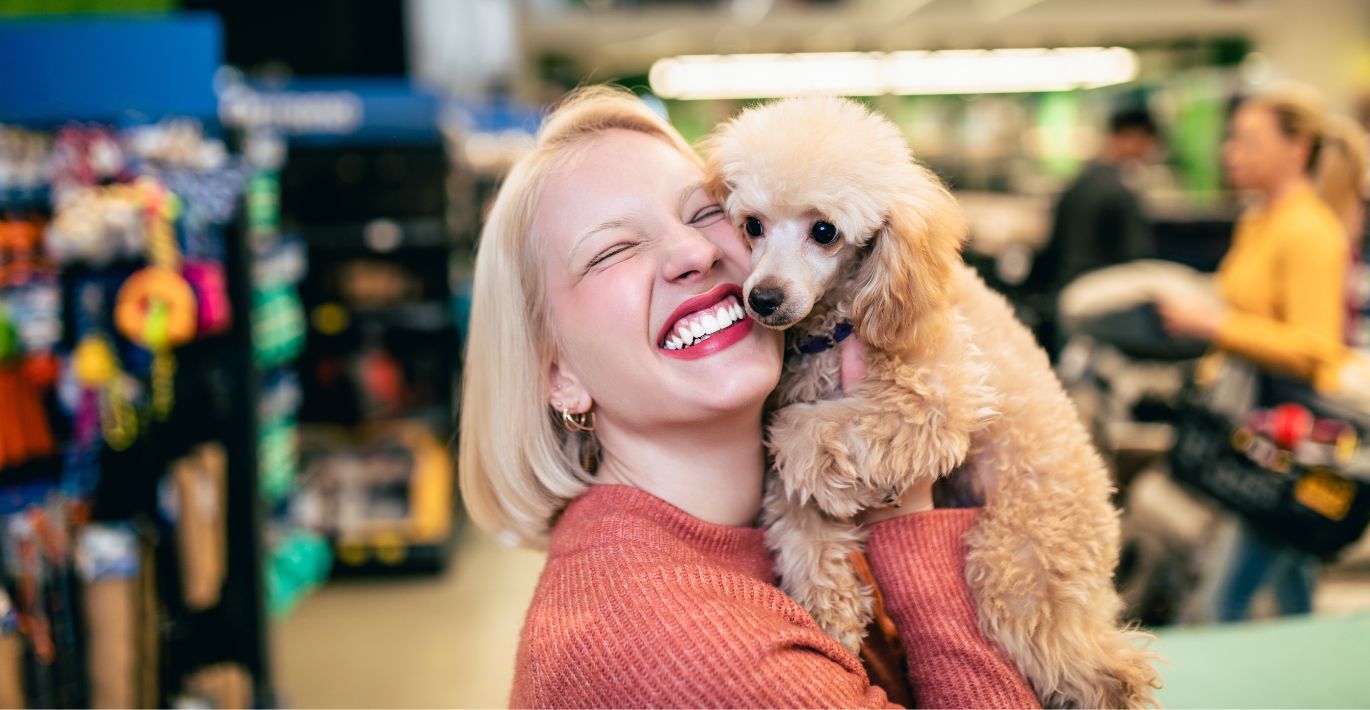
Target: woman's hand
1187, 318
853, 354
919, 496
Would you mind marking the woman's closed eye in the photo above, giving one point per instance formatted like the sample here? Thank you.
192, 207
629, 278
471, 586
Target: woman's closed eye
707, 216
610, 253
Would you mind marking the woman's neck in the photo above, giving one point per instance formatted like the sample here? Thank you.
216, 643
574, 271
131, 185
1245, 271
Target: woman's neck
713, 472
1277, 190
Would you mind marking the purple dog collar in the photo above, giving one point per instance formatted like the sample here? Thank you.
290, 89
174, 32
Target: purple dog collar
819, 343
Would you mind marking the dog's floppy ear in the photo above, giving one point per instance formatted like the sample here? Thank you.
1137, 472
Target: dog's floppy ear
903, 285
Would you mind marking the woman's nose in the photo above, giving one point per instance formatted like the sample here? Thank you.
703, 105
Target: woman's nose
689, 254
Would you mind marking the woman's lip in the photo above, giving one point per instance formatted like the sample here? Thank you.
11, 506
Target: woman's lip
698, 303
714, 343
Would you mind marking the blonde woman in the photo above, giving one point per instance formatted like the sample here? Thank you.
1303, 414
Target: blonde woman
611, 414
1284, 298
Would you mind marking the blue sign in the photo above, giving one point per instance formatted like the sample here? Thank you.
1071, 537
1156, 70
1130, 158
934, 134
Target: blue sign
110, 69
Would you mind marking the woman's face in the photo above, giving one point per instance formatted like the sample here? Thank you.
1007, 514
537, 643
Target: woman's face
636, 256
1257, 154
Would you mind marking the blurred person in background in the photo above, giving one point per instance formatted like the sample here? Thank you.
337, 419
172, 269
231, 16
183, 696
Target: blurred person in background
1283, 300
1098, 220
639, 466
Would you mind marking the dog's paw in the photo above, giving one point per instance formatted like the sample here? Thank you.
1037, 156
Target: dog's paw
816, 460
843, 612
841, 495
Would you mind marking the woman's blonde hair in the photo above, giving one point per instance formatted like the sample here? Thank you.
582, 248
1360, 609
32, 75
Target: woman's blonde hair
517, 470
1336, 155
1340, 175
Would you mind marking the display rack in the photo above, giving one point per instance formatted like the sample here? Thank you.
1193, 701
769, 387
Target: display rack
113, 518
364, 186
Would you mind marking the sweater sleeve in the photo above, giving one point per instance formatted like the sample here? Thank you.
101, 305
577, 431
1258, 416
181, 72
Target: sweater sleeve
919, 562
1306, 341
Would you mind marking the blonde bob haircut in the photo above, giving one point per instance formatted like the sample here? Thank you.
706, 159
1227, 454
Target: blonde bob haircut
518, 468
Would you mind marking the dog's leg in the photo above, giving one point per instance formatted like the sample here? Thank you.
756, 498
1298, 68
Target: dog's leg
920, 418
813, 556
902, 423
1041, 596
821, 456
1041, 556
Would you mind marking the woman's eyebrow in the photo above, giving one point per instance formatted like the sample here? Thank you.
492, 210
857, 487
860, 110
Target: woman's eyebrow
611, 223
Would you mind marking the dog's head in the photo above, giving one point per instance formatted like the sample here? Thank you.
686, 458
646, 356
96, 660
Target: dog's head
825, 191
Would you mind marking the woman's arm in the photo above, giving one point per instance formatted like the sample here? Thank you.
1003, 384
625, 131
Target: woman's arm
919, 561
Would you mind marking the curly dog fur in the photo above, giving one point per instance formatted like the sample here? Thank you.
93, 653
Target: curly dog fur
955, 382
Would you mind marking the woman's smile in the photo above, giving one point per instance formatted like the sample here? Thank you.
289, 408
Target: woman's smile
705, 324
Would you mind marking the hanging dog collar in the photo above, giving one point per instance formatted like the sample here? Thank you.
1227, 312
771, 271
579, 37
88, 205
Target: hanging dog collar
819, 343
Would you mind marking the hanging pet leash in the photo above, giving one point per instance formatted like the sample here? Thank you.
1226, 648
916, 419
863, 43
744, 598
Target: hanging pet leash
156, 307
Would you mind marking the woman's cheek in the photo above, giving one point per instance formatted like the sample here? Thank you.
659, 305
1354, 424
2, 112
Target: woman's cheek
614, 307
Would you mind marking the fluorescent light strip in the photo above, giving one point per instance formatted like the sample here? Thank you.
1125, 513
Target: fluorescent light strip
739, 76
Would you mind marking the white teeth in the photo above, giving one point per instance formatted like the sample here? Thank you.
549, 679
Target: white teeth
705, 325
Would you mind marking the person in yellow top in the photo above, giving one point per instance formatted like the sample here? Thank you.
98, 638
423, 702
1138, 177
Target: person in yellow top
1284, 297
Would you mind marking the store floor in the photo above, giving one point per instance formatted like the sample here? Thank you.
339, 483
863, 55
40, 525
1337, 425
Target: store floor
422, 642
449, 641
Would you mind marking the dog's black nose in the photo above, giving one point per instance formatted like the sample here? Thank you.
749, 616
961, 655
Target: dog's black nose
765, 300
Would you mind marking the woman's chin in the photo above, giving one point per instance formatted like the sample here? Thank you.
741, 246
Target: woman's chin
741, 389
732, 380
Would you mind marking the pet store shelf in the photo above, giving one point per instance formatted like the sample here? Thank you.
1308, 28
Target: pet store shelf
124, 493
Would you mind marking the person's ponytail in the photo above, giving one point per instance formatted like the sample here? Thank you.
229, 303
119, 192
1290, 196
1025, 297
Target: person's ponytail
1339, 174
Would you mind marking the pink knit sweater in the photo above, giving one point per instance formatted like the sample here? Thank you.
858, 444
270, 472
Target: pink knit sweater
643, 605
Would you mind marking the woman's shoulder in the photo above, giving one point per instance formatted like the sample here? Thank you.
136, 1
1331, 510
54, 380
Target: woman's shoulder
654, 633
649, 606
587, 605
619, 548
1308, 220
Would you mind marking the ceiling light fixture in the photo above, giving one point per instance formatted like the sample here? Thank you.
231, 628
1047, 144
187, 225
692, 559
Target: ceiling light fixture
978, 71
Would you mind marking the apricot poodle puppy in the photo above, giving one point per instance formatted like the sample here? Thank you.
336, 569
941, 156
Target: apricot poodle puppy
850, 235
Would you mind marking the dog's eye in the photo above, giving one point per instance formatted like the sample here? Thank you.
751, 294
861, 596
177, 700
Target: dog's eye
823, 232
754, 228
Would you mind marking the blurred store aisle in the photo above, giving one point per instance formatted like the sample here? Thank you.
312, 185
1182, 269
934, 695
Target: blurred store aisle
447, 641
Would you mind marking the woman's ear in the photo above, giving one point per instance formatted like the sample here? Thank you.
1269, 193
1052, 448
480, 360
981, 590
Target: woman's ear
565, 391
903, 285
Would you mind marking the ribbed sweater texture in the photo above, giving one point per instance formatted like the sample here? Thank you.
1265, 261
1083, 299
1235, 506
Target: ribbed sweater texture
643, 605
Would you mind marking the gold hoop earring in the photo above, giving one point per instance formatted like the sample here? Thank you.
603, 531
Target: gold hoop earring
584, 421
